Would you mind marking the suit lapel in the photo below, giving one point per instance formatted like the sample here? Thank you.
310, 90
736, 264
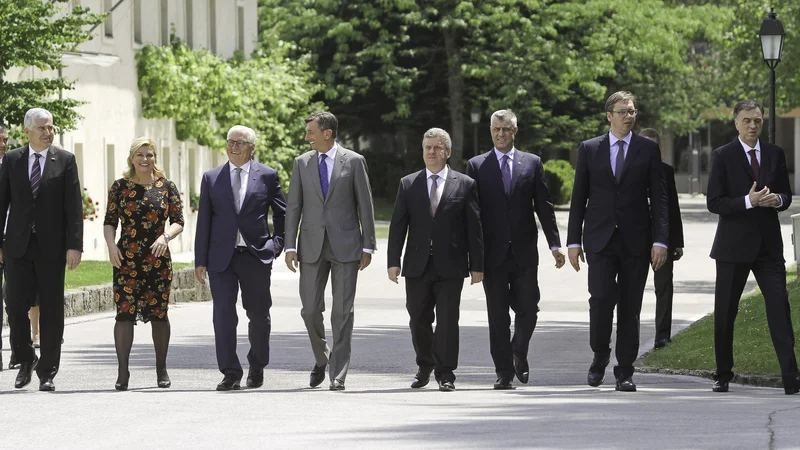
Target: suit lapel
764, 165
449, 186
629, 158
515, 172
419, 188
604, 153
338, 166
227, 188
744, 158
51, 160
24, 173
251, 184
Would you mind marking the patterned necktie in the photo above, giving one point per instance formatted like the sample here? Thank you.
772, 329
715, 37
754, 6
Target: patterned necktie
36, 175
434, 194
754, 164
237, 187
620, 161
323, 174
506, 171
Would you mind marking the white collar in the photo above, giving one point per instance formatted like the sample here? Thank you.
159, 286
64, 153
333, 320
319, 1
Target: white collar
510, 153
245, 167
747, 148
41, 153
442, 174
331, 154
612, 140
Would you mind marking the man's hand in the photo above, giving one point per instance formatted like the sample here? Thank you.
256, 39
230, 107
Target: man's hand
291, 261
757, 196
200, 274
366, 258
678, 254
73, 258
477, 277
559, 257
394, 272
770, 201
574, 253
658, 256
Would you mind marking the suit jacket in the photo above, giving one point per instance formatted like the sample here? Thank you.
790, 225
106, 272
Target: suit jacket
675, 221
57, 209
509, 218
218, 221
743, 234
345, 215
453, 236
600, 205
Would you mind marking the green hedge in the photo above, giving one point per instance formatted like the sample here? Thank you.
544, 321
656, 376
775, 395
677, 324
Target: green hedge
559, 176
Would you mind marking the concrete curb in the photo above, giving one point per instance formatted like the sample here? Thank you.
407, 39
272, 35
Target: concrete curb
745, 378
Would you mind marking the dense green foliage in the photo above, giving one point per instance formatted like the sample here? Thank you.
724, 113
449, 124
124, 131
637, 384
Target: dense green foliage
559, 176
33, 34
207, 95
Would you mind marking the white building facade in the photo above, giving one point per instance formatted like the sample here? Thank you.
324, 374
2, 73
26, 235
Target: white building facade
106, 80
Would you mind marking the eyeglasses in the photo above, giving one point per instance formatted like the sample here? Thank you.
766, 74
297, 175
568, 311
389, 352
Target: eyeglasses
237, 144
625, 112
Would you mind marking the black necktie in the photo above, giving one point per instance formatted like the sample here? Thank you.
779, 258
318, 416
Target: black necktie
620, 160
36, 175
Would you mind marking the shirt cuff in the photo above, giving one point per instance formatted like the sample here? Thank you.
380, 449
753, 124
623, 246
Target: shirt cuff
555, 248
369, 250
659, 244
289, 250
780, 197
747, 203
574, 246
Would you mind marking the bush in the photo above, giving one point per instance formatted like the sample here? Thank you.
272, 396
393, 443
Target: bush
559, 176
385, 171
89, 206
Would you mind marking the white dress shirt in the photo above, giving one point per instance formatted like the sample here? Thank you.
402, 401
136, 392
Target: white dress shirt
32, 159
245, 176
757, 148
439, 182
511, 154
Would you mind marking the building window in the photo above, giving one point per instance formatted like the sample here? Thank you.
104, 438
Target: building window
212, 25
164, 23
189, 24
111, 170
108, 25
240, 28
137, 21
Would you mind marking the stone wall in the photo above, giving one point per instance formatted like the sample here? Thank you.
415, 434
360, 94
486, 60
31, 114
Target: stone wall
93, 299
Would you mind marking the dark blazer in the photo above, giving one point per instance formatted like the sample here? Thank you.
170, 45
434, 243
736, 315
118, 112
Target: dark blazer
742, 234
675, 222
57, 210
599, 204
510, 219
217, 220
454, 235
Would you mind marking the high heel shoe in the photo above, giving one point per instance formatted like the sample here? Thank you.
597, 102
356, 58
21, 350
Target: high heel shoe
163, 378
122, 382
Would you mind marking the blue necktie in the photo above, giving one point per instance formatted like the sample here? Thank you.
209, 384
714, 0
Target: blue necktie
620, 161
36, 175
323, 174
506, 172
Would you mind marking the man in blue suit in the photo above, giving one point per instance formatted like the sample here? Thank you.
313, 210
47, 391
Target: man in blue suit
511, 186
234, 246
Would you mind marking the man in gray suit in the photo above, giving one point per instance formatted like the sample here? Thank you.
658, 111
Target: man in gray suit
330, 192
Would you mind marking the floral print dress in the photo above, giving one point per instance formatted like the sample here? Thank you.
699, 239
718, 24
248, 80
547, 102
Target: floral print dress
142, 283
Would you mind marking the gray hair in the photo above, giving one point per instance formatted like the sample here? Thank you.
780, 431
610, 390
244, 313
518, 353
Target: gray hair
35, 114
441, 134
504, 115
250, 134
746, 105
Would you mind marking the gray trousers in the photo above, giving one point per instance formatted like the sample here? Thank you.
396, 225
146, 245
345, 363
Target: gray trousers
313, 279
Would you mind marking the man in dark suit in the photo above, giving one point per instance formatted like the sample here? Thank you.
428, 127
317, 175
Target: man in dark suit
663, 276
45, 231
747, 186
511, 187
616, 174
3, 148
437, 208
233, 244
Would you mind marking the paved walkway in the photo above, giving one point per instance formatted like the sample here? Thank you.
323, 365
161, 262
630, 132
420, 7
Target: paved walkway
378, 410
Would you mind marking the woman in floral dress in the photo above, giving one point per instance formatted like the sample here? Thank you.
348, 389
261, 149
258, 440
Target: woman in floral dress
142, 200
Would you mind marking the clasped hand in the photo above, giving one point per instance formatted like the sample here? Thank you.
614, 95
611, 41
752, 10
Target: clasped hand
763, 198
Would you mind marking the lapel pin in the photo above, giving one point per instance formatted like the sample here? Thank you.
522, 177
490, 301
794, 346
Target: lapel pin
53, 158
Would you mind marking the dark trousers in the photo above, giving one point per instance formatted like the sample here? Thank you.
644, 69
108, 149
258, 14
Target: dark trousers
664, 292
616, 279
247, 272
771, 278
510, 286
424, 295
27, 277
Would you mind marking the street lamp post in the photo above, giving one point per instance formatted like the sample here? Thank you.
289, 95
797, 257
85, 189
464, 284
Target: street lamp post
475, 117
771, 35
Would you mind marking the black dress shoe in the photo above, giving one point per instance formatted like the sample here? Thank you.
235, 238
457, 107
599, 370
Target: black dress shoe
597, 371
255, 378
122, 381
720, 386
162, 378
25, 371
503, 383
661, 343
46, 385
317, 375
446, 386
791, 384
521, 368
337, 385
229, 383
421, 379
626, 385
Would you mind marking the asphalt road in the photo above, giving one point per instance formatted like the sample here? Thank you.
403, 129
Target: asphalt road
378, 409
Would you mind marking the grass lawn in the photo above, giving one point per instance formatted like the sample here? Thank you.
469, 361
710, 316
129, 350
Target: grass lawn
92, 273
752, 346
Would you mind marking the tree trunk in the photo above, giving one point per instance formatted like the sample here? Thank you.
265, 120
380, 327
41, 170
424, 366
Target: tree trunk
455, 84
